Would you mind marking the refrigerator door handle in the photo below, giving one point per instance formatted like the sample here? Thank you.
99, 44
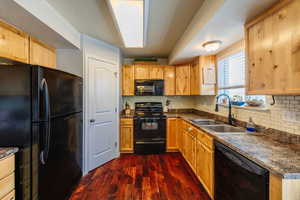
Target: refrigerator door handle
46, 136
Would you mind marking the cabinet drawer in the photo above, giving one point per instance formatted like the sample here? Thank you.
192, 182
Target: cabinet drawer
7, 184
10, 196
7, 166
205, 139
126, 121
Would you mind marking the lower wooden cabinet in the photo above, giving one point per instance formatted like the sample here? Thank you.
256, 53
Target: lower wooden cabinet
283, 189
7, 178
197, 149
205, 167
10, 196
172, 135
126, 135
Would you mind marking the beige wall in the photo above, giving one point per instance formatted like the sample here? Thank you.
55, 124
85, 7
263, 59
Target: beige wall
177, 102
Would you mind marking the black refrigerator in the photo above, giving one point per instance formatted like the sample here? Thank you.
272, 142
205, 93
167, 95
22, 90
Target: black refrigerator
41, 113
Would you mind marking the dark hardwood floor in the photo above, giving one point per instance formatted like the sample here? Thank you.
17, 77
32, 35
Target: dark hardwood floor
141, 177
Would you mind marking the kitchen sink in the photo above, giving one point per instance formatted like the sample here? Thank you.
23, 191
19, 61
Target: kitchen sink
224, 129
205, 122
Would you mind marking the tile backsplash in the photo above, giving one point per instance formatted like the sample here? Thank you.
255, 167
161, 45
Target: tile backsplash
274, 117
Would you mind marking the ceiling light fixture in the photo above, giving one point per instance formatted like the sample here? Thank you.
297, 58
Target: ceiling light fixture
131, 19
212, 45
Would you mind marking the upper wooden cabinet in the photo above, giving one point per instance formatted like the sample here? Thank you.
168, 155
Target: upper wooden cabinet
147, 72
183, 84
273, 50
141, 72
170, 80
128, 80
156, 72
14, 44
203, 76
42, 54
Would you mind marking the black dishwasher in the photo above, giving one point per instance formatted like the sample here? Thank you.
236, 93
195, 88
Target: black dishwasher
237, 178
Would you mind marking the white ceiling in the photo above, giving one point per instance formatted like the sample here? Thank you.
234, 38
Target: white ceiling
167, 21
225, 24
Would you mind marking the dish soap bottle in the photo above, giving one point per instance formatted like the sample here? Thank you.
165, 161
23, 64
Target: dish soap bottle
250, 126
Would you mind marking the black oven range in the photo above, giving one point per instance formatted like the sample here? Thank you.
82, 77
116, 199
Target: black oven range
149, 128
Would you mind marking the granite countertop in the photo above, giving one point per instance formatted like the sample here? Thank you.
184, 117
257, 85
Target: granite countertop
7, 151
282, 159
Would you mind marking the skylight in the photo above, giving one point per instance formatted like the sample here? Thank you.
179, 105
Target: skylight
129, 16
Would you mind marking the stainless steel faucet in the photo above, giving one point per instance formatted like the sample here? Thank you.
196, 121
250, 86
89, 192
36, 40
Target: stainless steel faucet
230, 118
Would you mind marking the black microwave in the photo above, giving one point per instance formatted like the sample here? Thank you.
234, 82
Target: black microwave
149, 88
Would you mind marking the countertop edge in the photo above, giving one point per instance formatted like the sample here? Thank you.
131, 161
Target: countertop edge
7, 151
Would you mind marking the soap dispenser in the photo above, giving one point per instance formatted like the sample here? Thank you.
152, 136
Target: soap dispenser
250, 126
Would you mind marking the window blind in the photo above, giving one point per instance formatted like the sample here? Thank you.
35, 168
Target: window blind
231, 71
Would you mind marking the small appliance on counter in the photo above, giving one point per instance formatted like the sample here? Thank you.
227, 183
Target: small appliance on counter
149, 128
149, 87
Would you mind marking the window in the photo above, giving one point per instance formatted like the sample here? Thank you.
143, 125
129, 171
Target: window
231, 77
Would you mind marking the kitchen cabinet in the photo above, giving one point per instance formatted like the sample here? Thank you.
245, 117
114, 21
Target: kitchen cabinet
172, 135
203, 76
149, 72
179, 135
7, 177
197, 149
42, 54
183, 84
283, 189
128, 80
205, 167
14, 44
170, 80
126, 135
142, 72
273, 51
156, 72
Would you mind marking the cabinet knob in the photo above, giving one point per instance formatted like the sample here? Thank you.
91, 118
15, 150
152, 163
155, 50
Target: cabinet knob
92, 120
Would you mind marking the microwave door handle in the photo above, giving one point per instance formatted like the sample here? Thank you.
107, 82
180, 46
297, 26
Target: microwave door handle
47, 134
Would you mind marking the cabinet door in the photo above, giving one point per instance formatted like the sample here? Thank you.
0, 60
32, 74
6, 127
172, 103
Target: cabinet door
156, 72
169, 79
172, 135
273, 53
183, 80
205, 167
195, 78
128, 80
142, 72
14, 44
42, 54
179, 135
126, 136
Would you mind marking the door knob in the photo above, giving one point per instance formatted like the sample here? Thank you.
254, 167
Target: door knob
92, 120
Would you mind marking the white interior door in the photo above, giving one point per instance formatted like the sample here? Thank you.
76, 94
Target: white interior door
102, 103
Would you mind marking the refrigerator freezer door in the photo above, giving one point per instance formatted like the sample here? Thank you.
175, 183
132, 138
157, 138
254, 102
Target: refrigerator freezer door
63, 168
65, 92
